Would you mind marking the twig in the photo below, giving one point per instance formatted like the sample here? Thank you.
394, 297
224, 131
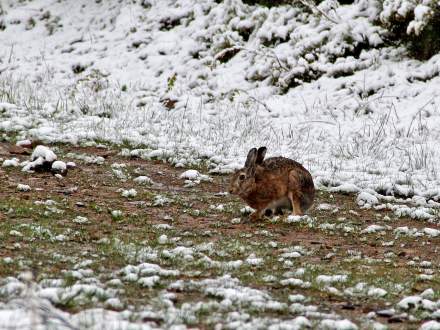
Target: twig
314, 7
316, 121
416, 114
11, 53
254, 51
254, 99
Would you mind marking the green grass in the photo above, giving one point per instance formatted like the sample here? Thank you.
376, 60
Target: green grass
132, 238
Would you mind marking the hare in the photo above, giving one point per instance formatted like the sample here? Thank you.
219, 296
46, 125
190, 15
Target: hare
273, 184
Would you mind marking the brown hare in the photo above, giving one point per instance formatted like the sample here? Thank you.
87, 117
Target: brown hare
273, 184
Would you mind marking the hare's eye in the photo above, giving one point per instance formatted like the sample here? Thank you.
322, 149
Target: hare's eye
242, 177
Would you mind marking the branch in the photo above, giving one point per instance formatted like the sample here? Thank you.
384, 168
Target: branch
312, 6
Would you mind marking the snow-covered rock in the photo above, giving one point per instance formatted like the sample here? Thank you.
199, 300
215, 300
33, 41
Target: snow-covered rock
45, 153
42, 157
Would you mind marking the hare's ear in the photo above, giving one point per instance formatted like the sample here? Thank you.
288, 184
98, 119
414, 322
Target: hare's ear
250, 161
260, 155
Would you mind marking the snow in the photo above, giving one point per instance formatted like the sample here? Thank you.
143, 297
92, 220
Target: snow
338, 325
116, 214
300, 322
43, 152
345, 188
365, 199
328, 279
373, 229
430, 325
59, 166
190, 175
24, 143
377, 292
113, 66
142, 179
160, 200
81, 220
129, 193
431, 232
149, 281
295, 282
194, 177
428, 294
10, 162
411, 302
253, 261
163, 239
23, 187
296, 298
41, 156
208, 126
325, 207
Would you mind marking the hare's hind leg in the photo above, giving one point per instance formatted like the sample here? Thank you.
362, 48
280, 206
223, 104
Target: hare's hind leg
294, 193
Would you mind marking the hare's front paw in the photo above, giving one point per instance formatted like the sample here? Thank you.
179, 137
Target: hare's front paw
255, 216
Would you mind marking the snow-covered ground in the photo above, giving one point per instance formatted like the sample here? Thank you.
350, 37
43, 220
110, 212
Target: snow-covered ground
204, 81
79, 70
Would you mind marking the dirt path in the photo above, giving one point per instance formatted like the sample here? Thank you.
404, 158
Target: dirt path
201, 214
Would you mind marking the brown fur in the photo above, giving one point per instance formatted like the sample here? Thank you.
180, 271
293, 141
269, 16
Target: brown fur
274, 182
